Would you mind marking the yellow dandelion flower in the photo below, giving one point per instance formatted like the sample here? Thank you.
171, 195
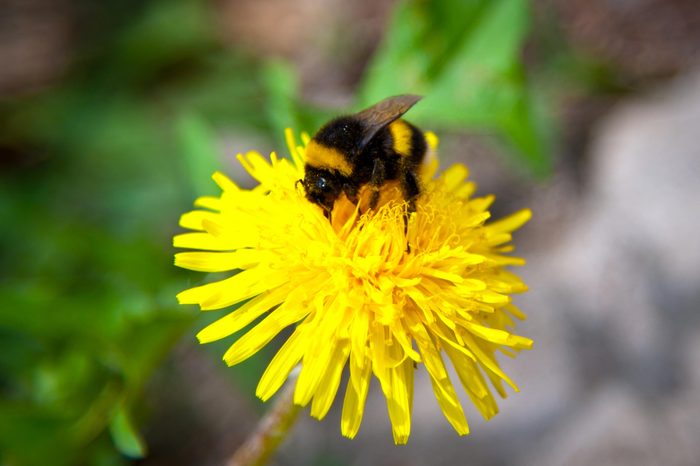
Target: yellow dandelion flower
367, 291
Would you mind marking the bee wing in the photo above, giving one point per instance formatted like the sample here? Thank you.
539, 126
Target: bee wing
381, 114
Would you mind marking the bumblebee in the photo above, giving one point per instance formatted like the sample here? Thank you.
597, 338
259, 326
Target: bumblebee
367, 148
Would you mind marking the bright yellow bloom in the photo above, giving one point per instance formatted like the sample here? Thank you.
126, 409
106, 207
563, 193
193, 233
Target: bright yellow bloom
355, 293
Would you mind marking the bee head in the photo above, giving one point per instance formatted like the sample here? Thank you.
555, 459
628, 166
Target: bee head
322, 187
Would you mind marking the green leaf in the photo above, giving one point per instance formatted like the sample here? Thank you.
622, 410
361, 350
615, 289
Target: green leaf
281, 85
125, 437
284, 109
199, 153
465, 58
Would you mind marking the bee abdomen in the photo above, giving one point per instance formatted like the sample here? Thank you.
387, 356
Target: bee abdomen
402, 137
408, 141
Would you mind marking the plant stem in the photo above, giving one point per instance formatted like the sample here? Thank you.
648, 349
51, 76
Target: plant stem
271, 431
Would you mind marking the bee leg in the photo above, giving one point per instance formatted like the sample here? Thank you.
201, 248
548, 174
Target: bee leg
351, 193
374, 199
411, 189
377, 180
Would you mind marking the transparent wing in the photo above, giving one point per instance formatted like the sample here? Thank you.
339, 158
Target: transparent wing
381, 114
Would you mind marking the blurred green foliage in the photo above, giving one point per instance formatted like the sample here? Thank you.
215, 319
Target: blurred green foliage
99, 167
464, 56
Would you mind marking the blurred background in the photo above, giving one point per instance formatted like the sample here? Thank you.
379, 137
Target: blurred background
114, 114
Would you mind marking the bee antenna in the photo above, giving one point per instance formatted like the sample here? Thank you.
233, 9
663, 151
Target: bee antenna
296, 185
